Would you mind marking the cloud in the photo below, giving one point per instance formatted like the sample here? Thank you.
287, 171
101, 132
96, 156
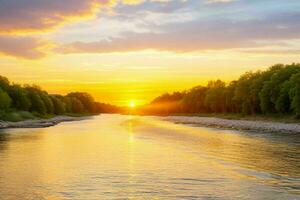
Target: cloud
164, 25
22, 47
29, 16
198, 35
274, 52
220, 1
21, 20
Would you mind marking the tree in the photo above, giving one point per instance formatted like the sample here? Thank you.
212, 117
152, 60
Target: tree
230, 104
85, 98
296, 101
68, 104
241, 93
266, 104
77, 106
5, 101
37, 104
176, 96
283, 101
4, 83
47, 102
193, 100
20, 99
215, 96
294, 94
59, 105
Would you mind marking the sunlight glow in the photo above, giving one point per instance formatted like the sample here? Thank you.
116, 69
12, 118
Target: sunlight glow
132, 104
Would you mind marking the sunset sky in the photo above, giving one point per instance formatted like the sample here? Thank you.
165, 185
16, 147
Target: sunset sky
127, 50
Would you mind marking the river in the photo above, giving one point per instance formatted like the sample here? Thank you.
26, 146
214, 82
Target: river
131, 157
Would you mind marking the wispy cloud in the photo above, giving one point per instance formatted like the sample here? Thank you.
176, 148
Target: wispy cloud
20, 21
134, 25
26, 17
23, 47
220, 1
199, 35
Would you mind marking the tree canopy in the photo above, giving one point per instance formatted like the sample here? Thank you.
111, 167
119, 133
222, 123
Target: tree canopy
14, 97
275, 90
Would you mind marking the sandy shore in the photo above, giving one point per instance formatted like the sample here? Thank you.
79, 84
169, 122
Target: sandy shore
260, 126
39, 123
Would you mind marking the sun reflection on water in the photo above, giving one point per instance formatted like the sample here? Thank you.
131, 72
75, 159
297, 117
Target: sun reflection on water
132, 157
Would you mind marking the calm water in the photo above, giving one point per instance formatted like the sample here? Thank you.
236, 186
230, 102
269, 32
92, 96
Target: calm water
123, 157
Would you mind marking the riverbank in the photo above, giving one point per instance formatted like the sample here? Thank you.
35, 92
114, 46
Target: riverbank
250, 125
40, 123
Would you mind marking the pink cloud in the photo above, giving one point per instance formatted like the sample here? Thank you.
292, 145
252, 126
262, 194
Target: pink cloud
36, 15
22, 47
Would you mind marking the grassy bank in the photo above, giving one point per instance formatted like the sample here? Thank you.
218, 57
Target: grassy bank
18, 116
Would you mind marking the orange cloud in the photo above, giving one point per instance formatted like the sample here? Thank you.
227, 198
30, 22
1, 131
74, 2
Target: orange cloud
35, 16
20, 20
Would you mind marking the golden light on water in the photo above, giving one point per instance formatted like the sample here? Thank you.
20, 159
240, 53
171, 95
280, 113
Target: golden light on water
132, 156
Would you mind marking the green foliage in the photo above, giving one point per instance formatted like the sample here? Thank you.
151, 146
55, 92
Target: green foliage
12, 117
176, 96
215, 96
20, 99
59, 105
26, 115
4, 83
17, 100
85, 98
265, 101
76, 105
5, 101
283, 101
48, 103
105, 108
296, 101
193, 100
273, 91
68, 104
294, 94
17, 116
37, 103
230, 103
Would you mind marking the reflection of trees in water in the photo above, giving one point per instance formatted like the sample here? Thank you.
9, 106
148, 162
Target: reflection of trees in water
23, 135
3, 140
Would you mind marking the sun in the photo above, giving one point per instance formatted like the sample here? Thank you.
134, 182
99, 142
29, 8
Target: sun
132, 104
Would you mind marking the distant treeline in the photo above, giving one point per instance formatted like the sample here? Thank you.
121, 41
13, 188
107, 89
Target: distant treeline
276, 90
30, 99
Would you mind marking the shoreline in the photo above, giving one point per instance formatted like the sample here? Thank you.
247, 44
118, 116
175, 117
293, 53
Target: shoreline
213, 122
40, 123
246, 125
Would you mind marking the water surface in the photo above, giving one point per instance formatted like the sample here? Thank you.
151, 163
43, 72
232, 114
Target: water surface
125, 157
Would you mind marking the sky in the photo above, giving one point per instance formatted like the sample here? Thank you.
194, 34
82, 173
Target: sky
134, 50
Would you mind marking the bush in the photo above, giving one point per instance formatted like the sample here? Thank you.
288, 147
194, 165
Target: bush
12, 117
5, 100
26, 115
17, 116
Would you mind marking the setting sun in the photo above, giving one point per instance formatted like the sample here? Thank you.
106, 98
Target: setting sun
132, 104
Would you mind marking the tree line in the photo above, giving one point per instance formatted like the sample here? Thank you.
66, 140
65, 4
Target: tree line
32, 99
275, 90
